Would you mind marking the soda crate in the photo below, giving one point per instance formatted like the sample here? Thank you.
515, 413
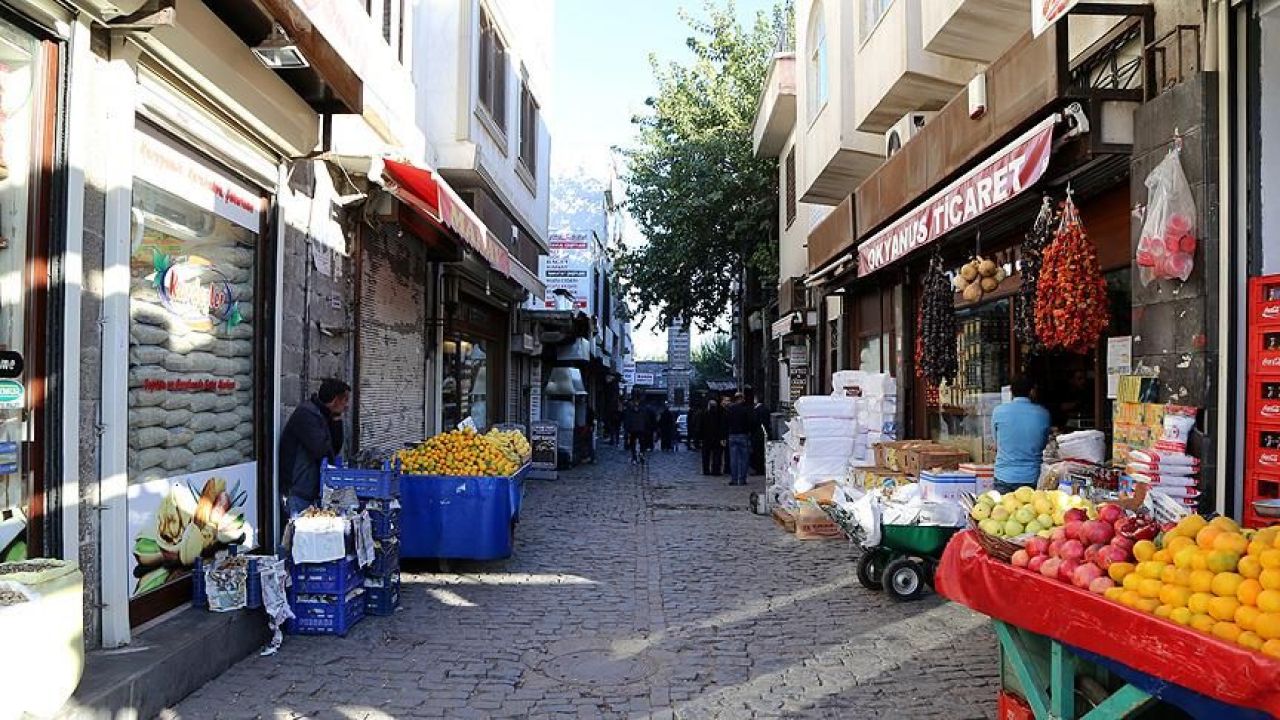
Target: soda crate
386, 559
332, 615
1264, 301
382, 597
385, 522
337, 577
383, 484
253, 586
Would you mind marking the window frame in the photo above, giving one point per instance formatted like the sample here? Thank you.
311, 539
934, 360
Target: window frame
491, 74
866, 24
817, 64
789, 188
527, 137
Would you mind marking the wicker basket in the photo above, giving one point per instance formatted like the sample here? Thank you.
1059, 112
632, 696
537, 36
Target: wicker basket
997, 547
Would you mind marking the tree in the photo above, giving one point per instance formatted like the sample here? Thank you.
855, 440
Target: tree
712, 359
705, 203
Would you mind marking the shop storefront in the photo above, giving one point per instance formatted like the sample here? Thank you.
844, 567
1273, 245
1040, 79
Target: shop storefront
474, 359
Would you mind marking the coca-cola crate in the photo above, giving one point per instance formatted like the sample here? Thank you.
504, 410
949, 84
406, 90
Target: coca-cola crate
1263, 402
1262, 448
1264, 301
1264, 352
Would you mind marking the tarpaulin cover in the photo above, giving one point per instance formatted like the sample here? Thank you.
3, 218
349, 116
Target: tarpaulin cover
1148, 644
461, 518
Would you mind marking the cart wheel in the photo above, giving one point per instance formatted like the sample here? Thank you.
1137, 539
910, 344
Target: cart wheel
871, 569
904, 579
930, 568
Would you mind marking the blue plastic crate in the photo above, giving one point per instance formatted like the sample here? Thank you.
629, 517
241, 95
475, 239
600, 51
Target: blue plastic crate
253, 586
328, 578
382, 484
382, 600
386, 559
332, 616
386, 523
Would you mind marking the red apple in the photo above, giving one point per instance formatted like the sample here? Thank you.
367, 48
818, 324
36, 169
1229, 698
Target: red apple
1067, 570
1097, 532
1101, 584
1049, 568
1072, 550
1075, 514
1085, 574
1110, 513
1037, 545
1020, 558
1034, 564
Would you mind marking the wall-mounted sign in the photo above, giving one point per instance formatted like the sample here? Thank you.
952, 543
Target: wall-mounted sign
176, 170
544, 442
222, 385
13, 395
644, 378
10, 364
798, 356
1044, 13
8, 458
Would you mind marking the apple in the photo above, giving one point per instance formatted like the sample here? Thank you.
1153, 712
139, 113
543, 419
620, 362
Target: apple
1110, 513
1024, 515
1101, 585
1020, 559
1049, 568
1097, 532
1034, 564
1067, 570
1073, 529
1037, 546
1075, 514
1085, 574
1072, 550
999, 513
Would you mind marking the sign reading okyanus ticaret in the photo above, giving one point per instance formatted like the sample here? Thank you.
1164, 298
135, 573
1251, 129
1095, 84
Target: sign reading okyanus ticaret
998, 179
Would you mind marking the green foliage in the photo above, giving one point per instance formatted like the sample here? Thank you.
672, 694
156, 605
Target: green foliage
712, 359
706, 205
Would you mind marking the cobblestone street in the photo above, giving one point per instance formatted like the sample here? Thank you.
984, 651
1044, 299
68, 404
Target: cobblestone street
656, 599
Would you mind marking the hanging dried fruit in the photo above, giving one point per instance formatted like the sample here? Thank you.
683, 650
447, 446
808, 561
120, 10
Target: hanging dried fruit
1071, 300
938, 354
1033, 246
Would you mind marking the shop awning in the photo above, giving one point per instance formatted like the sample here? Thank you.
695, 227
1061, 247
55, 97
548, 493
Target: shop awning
1001, 177
431, 197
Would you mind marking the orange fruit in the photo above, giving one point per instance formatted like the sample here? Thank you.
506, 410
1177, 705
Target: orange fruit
1247, 592
1221, 561
1225, 524
1201, 581
1182, 577
1223, 608
1150, 589
1270, 559
1131, 581
1249, 566
1146, 605
1269, 601
1130, 598
1270, 579
1226, 630
1267, 625
1144, 550
1249, 639
1151, 569
1180, 615
1257, 546
1203, 623
1183, 558
1231, 542
1174, 595
1225, 584
1169, 575
1206, 536
1162, 556
1246, 617
1113, 593
1271, 647
1200, 561
1177, 543
1118, 571
1163, 611
1198, 603
1188, 526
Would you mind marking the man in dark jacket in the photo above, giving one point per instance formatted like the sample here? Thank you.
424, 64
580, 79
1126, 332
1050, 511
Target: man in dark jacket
740, 425
639, 423
711, 429
313, 433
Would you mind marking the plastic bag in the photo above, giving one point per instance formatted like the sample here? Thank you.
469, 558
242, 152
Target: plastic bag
1167, 246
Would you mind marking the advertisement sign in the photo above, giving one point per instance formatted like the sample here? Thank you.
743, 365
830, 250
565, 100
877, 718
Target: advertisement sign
177, 171
543, 440
798, 356
993, 183
535, 390
570, 267
1045, 13
173, 521
1119, 362
644, 378
13, 396
10, 364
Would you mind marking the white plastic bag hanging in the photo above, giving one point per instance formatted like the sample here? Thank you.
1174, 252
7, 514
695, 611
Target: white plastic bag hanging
1167, 246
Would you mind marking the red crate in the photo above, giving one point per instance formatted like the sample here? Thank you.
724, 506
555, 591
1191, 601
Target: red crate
1012, 707
1263, 401
1264, 352
1264, 301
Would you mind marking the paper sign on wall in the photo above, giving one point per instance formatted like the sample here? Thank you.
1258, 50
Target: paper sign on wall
1119, 362
1045, 13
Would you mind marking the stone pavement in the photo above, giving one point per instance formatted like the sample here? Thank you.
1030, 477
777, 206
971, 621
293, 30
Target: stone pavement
665, 598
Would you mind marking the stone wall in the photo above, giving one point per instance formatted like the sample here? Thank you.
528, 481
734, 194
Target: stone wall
1175, 327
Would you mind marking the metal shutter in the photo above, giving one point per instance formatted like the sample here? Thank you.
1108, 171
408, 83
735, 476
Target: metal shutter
392, 345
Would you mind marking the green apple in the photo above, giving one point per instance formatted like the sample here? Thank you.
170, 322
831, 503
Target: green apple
1012, 528
1000, 513
1025, 514
980, 512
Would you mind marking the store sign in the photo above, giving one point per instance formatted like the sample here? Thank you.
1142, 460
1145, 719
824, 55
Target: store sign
13, 395
798, 356
996, 181
570, 268
1044, 13
10, 364
178, 172
535, 390
544, 442
195, 290
173, 521
644, 378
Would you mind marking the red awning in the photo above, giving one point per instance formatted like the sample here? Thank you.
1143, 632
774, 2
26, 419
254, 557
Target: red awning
431, 197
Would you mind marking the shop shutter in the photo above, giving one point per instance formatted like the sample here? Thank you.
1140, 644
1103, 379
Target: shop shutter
393, 342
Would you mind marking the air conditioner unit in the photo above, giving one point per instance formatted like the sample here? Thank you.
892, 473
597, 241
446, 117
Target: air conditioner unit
905, 129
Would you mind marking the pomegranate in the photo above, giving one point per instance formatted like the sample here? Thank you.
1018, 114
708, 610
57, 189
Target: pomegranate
1085, 574
1075, 514
1097, 532
1072, 550
1036, 561
1059, 533
1074, 530
1037, 546
1020, 558
1067, 570
1055, 548
1091, 552
1101, 584
1049, 568
1110, 513
1110, 554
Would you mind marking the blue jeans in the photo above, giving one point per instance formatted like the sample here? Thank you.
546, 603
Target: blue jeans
739, 458
294, 505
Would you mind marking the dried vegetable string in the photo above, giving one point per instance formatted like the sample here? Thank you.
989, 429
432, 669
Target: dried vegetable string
939, 356
1033, 246
1072, 310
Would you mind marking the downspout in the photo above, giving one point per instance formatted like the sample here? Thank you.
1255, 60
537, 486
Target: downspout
1217, 59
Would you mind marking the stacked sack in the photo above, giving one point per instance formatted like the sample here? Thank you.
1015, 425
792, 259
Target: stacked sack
1166, 466
875, 397
824, 437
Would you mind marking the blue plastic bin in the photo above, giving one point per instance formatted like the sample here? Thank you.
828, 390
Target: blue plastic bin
328, 578
383, 600
386, 559
460, 518
253, 586
333, 616
383, 484
385, 523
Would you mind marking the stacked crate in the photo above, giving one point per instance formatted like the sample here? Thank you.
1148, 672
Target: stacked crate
379, 495
326, 598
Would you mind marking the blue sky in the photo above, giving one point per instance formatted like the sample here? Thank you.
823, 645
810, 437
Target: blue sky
602, 77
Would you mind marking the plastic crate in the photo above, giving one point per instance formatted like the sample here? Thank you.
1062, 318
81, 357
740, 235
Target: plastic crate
329, 578
386, 523
383, 484
382, 600
253, 586
335, 615
386, 559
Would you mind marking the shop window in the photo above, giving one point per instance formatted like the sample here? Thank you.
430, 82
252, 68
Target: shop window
872, 12
193, 362
492, 72
790, 185
528, 130
817, 61
466, 387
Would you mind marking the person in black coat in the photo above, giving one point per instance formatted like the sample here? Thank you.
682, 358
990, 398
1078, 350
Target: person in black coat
760, 437
667, 429
312, 435
713, 438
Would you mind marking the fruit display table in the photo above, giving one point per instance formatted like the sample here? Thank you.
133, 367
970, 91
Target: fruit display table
1050, 633
460, 518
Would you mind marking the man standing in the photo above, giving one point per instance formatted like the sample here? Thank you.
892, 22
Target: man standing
313, 434
1022, 430
711, 432
740, 422
639, 426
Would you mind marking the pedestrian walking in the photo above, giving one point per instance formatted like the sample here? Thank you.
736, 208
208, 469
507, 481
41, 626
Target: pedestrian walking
312, 435
638, 422
667, 429
711, 433
740, 425
760, 436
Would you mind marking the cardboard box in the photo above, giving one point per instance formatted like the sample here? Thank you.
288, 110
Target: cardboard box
784, 519
814, 524
933, 457
878, 478
892, 455
947, 485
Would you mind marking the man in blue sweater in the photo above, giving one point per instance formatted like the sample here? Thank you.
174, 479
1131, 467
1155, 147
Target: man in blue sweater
1022, 430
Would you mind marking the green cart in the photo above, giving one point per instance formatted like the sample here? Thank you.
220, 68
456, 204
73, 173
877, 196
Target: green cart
904, 561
